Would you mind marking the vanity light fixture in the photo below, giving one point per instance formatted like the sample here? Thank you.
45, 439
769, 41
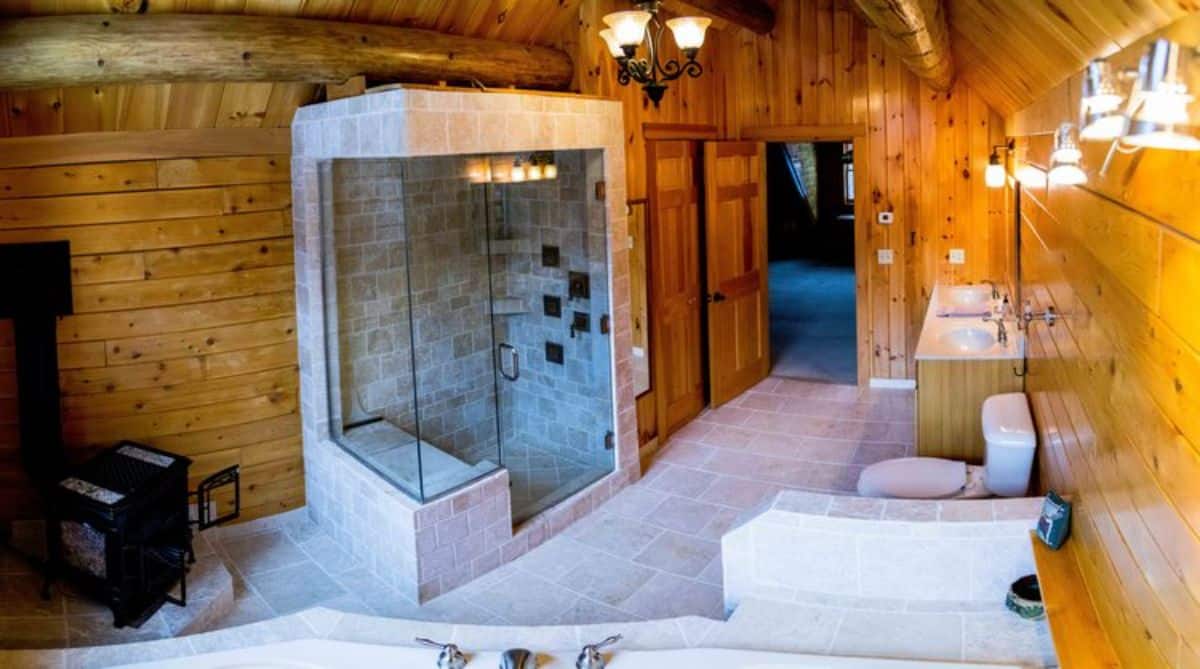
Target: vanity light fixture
1160, 101
994, 175
629, 29
550, 170
1064, 159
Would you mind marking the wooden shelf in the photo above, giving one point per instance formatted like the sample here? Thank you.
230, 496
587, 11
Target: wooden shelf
1079, 639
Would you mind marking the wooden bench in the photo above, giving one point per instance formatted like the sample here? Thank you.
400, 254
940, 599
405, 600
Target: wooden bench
1079, 639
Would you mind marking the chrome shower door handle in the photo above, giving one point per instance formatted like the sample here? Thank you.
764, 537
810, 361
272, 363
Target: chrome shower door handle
514, 357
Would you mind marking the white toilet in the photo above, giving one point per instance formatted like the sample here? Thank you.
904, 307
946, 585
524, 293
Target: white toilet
1011, 441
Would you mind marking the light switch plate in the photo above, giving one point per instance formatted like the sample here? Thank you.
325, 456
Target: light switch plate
886, 217
958, 256
885, 256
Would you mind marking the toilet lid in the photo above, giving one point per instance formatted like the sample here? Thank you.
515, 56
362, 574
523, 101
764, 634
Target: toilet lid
913, 478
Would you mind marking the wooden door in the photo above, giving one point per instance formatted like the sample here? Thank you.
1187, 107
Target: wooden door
735, 216
675, 290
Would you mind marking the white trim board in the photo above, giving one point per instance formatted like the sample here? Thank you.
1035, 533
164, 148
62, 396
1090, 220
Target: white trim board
894, 384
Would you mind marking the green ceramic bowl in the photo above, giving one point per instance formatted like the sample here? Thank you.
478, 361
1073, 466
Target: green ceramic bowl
1025, 598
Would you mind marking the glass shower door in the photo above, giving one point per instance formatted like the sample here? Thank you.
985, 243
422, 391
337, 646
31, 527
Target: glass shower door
547, 248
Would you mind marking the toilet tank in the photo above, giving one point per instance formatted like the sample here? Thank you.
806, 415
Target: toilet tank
1011, 442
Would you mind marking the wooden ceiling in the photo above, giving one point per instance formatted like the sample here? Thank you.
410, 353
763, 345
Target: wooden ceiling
1010, 51
1013, 51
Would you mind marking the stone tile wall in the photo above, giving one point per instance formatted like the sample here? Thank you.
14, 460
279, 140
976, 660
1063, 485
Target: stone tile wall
561, 409
390, 532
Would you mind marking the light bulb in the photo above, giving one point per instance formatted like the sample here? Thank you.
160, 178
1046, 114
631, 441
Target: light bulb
534, 172
629, 27
518, 172
550, 171
610, 39
1066, 149
689, 32
993, 176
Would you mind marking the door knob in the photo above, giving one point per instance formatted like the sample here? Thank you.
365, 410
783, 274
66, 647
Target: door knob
716, 297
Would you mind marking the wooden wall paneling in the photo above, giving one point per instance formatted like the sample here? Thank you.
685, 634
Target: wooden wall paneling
1114, 382
184, 328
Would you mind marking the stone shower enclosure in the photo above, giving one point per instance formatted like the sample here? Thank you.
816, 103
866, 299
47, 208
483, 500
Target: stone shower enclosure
398, 325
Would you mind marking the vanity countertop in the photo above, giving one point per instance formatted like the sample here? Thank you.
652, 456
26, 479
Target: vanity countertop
954, 328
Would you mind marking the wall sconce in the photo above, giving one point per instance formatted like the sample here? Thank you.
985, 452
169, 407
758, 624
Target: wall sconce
1100, 113
1160, 101
1064, 160
1155, 112
994, 175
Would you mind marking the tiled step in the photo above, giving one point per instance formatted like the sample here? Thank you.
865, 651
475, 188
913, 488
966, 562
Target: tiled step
69, 618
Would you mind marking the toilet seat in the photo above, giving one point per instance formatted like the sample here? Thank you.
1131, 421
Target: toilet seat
922, 478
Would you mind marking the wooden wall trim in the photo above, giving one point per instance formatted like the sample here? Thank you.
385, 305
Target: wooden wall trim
804, 133
671, 131
107, 147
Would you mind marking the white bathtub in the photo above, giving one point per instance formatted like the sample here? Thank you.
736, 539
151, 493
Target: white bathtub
320, 654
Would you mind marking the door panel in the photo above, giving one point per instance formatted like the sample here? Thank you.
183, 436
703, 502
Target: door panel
675, 335
736, 243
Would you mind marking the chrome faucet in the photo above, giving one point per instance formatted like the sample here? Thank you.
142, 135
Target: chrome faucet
450, 657
1049, 315
1001, 331
591, 657
995, 290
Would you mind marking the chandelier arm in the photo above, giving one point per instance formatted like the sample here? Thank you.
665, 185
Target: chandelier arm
655, 40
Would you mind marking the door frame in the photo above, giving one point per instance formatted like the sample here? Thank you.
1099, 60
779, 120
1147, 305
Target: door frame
655, 132
855, 134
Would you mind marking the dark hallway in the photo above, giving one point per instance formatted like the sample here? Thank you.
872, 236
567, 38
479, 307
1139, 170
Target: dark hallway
811, 249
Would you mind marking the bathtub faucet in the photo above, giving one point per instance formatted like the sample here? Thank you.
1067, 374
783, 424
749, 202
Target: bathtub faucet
591, 658
450, 657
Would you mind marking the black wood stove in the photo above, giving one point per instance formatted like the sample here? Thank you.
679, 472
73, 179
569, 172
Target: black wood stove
124, 531
119, 525
125, 527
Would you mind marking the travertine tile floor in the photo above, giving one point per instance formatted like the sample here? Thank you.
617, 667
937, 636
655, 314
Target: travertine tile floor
652, 551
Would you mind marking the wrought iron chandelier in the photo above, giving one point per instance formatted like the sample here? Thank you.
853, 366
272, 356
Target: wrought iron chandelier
629, 29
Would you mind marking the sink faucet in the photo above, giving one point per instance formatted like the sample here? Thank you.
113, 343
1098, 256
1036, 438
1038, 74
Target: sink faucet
995, 290
591, 658
1001, 331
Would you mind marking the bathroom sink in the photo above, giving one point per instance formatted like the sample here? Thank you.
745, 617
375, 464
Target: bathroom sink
969, 296
968, 340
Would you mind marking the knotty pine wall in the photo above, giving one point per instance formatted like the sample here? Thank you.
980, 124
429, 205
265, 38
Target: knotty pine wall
183, 335
1115, 386
926, 151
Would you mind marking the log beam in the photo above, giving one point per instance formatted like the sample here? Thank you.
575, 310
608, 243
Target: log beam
157, 48
754, 15
916, 30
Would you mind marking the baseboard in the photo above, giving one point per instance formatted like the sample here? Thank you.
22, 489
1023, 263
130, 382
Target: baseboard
894, 384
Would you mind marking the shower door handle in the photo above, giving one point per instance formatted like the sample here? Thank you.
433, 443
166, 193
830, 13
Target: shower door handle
514, 357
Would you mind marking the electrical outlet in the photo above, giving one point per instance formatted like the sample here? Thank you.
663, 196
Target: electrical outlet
958, 256
885, 256
886, 217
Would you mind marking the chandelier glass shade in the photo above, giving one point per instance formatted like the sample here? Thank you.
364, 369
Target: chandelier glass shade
630, 30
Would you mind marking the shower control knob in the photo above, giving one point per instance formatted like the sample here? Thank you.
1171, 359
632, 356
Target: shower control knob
450, 657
